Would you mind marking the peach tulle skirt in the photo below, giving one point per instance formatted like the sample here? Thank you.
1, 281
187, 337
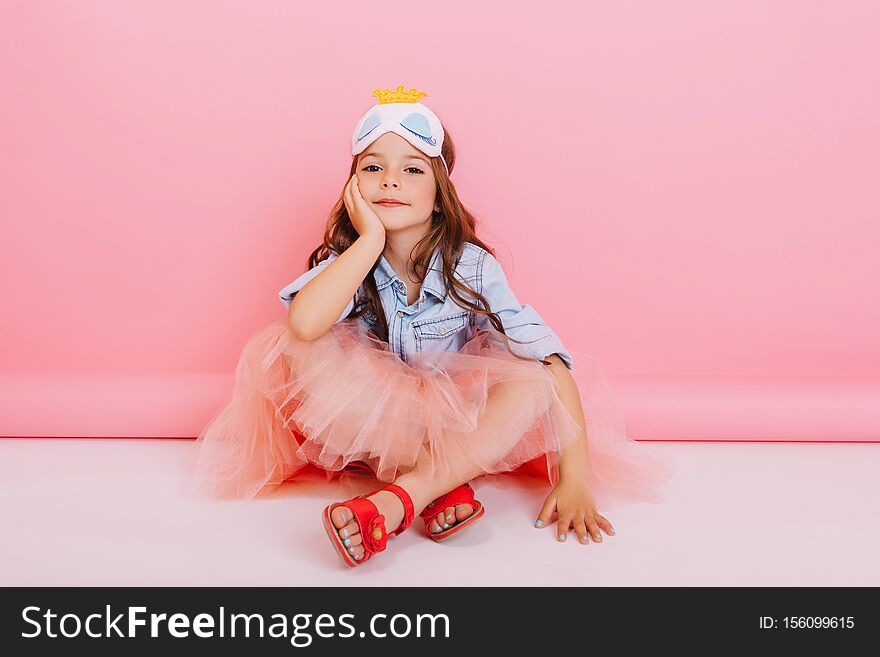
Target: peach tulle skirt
345, 406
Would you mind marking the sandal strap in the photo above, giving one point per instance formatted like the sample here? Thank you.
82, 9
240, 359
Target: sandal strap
463, 494
408, 509
371, 524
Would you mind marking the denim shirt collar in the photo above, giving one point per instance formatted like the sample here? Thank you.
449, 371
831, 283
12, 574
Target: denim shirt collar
433, 283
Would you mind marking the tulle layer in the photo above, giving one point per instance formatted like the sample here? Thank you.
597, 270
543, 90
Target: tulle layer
345, 406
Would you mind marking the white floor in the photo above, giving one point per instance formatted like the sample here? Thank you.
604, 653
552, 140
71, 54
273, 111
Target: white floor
91, 512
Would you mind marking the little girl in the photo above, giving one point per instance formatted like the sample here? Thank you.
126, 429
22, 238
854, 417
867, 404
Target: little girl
405, 356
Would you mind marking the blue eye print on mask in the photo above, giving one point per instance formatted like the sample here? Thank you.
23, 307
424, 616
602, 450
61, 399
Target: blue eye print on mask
418, 125
370, 124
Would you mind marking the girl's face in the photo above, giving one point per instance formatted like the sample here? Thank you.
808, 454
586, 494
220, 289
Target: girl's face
393, 168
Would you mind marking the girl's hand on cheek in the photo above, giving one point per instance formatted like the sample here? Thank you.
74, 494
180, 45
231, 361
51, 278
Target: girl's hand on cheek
363, 217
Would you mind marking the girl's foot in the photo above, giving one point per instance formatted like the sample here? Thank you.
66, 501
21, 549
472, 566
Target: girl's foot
449, 516
388, 504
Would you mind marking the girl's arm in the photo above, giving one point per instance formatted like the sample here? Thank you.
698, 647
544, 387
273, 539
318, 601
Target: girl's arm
573, 461
317, 306
571, 498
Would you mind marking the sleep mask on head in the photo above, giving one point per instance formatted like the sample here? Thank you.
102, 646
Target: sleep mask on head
401, 113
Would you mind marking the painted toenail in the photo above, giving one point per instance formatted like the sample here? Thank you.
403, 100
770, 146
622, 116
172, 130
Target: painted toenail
348, 541
596, 536
611, 530
445, 525
344, 533
357, 556
351, 549
562, 537
538, 523
584, 538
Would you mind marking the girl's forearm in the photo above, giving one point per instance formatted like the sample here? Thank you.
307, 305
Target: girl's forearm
317, 306
574, 460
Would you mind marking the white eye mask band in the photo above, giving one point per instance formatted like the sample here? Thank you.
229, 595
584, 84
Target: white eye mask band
401, 113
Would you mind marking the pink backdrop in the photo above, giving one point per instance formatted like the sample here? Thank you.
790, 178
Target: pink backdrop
687, 190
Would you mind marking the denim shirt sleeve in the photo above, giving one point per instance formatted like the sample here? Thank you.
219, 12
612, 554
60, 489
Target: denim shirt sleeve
520, 321
289, 291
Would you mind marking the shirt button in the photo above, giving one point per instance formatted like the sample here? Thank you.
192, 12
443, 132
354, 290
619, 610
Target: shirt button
400, 313
442, 330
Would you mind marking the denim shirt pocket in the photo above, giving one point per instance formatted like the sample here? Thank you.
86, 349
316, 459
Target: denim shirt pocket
446, 333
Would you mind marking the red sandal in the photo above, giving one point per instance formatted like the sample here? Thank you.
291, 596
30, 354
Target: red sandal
371, 524
463, 494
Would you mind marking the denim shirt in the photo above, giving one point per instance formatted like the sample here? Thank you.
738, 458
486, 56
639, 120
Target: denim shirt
434, 322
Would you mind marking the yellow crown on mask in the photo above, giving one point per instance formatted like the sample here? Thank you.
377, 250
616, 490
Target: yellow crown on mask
398, 95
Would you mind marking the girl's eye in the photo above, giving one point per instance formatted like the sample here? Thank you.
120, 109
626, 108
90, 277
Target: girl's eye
416, 169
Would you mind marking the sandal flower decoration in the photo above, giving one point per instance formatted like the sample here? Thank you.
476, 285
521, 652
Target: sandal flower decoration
375, 536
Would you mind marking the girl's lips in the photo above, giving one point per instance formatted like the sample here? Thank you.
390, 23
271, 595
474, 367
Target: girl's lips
390, 205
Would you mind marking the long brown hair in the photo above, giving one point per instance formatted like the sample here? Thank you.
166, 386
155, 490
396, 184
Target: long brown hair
451, 227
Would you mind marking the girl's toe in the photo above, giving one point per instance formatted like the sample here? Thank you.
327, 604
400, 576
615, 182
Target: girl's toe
340, 516
348, 531
463, 511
